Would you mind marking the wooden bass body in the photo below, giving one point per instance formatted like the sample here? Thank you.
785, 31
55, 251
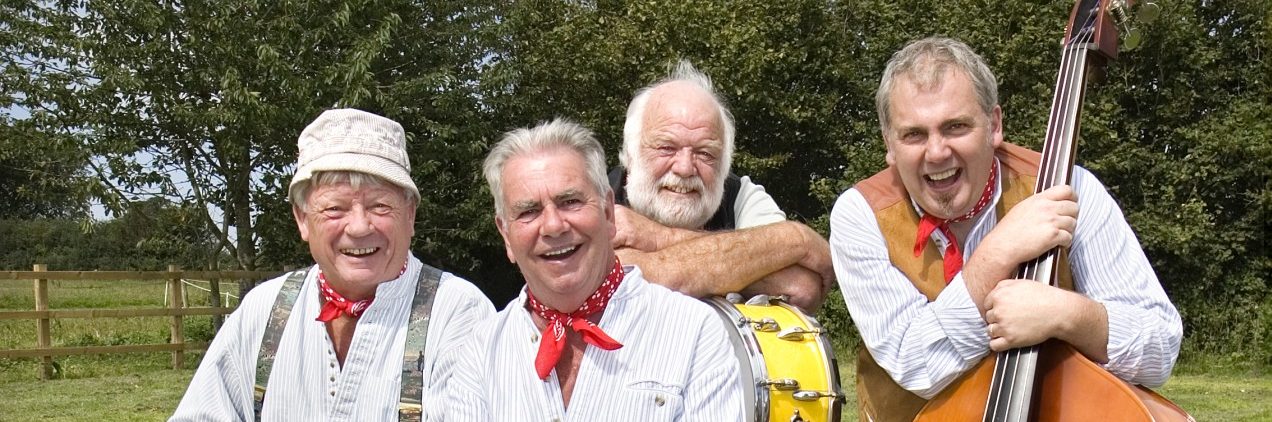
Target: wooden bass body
1071, 388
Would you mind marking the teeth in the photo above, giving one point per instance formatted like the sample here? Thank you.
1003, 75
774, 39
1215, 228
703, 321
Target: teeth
678, 188
561, 251
358, 251
942, 175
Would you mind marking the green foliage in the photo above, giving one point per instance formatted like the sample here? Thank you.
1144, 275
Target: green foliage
130, 242
1182, 137
202, 101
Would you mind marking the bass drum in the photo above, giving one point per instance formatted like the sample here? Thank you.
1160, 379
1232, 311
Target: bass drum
785, 358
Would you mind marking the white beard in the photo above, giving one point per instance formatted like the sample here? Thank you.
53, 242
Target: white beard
645, 197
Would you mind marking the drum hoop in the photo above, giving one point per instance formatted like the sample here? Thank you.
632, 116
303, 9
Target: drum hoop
751, 345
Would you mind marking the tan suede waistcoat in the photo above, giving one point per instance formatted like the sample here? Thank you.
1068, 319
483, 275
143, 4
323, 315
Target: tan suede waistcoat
877, 394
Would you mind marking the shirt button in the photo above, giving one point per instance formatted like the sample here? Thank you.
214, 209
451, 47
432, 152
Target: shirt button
659, 400
333, 378
534, 338
333, 393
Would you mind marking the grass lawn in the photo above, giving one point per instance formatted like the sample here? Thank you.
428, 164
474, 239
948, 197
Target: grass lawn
144, 387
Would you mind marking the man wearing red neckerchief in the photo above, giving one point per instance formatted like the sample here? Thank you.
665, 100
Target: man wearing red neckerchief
926, 250
589, 338
342, 352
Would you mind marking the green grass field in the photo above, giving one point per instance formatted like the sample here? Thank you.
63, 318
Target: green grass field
144, 387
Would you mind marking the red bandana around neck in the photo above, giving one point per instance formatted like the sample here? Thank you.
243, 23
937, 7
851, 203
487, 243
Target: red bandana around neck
335, 304
553, 336
953, 259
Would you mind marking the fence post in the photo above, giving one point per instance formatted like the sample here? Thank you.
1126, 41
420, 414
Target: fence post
42, 338
175, 303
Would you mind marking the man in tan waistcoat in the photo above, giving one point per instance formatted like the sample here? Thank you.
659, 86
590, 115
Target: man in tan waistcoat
926, 250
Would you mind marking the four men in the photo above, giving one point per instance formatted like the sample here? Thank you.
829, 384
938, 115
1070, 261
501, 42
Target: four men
930, 309
588, 338
924, 253
694, 226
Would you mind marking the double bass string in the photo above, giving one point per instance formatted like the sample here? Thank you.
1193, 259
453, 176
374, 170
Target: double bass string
1056, 169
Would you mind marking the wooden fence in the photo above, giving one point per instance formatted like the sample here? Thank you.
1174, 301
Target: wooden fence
175, 309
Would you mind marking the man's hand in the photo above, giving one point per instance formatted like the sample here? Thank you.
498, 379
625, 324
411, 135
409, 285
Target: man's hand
1034, 226
1023, 313
817, 256
636, 231
1039, 223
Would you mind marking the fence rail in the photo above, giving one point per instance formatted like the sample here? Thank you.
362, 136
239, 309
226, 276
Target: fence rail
174, 300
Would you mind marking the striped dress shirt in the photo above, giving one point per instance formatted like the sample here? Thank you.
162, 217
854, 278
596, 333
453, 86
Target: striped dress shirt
306, 382
676, 364
925, 345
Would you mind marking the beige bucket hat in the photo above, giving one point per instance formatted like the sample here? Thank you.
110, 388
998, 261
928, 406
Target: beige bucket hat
354, 140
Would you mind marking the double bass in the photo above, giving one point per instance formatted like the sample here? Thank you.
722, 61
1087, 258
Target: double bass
1052, 381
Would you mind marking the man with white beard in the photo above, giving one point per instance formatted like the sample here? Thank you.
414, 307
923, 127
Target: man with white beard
696, 227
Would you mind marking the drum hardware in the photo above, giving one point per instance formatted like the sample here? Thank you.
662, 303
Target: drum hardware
763, 325
782, 384
766, 300
796, 333
808, 395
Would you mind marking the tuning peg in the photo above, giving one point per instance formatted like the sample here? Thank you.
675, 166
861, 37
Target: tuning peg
1148, 12
1132, 35
1133, 39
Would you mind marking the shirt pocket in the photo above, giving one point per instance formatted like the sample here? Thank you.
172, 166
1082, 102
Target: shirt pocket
651, 400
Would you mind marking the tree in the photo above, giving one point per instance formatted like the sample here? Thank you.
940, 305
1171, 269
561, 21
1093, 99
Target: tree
201, 102
41, 173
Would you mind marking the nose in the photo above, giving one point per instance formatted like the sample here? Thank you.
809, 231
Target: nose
553, 223
937, 149
359, 223
682, 163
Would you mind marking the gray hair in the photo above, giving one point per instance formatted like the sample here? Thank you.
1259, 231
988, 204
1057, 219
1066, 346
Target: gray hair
925, 61
558, 133
683, 71
298, 194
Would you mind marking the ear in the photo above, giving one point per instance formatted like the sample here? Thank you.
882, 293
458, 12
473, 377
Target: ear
410, 216
609, 213
996, 127
302, 223
889, 157
503, 232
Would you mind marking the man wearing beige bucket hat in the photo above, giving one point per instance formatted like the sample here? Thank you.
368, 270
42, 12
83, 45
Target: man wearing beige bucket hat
362, 334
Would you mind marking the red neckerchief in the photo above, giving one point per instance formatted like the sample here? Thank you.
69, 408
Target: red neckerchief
553, 341
335, 304
953, 260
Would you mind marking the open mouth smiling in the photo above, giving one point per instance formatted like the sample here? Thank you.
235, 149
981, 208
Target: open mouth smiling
359, 252
560, 253
944, 178
682, 190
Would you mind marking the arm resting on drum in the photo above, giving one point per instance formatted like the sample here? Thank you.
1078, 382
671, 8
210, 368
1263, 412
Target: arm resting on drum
803, 287
724, 262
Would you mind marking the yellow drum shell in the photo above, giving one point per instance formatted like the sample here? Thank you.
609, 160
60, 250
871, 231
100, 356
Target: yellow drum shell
785, 354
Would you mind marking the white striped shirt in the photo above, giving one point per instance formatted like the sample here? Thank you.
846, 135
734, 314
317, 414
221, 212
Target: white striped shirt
676, 364
925, 345
306, 382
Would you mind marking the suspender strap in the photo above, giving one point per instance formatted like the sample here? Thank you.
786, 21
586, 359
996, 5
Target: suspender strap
273, 332
409, 408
